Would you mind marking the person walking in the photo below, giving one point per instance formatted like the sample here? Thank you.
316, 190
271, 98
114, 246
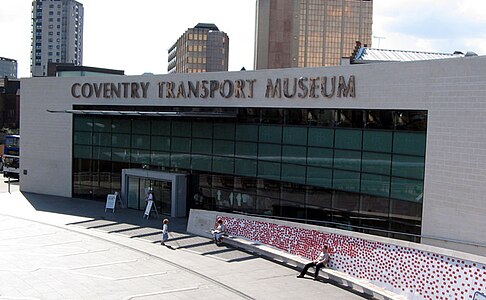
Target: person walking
321, 261
165, 231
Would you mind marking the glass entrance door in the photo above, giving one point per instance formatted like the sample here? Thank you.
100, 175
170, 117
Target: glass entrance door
133, 192
162, 195
161, 191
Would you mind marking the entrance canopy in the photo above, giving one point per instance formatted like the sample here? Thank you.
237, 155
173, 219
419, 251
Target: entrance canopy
173, 187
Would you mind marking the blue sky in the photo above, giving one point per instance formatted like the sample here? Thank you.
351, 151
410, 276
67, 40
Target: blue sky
135, 38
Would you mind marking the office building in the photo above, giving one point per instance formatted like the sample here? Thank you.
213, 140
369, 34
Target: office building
8, 68
57, 34
203, 48
305, 33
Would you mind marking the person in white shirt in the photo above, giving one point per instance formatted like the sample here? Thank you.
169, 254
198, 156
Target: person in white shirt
218, 231
165, 231
321, 261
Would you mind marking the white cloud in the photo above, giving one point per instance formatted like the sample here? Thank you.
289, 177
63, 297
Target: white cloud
430, 25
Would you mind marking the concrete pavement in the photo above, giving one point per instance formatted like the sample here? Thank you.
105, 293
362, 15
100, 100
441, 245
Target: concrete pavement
64, 248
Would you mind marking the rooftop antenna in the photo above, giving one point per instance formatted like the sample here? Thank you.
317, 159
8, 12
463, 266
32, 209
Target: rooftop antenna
379, 38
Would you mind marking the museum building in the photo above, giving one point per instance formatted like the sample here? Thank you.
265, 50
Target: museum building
390, 149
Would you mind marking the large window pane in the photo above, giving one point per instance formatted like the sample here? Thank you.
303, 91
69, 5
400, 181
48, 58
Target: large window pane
375, 185
120, 125
294, 154
269, 170
121, 154
82, 138
345, 209
344, 201
202, 129
320, 157
412, 143
247, 133
270, 134
181, 128
319, 197
140, 156
120, 140
348, 139
406, 217
201, 162
374, 213
226, 148
321, 177
293, 192
181, 145
141, 141
268, 188
379, 163
291, 209
160, 159
347, 160
321, 137
223, 165
83, 123
267, 206
295, 135
160, 127
102, 125
82, 151
140, 126
405, 210
245, 167
101, 139
378, 141
269, 152
225, 131
102, 153
246, 150
293, 173
160, 143
202, 146
375, 206
407, 189
408, 166
180, 160
346, 181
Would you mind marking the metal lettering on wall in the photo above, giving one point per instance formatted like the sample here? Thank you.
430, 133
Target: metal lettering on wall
325, 87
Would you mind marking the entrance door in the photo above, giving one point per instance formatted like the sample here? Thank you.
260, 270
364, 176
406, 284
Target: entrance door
162, 191
133, 193
168, 190
138, 189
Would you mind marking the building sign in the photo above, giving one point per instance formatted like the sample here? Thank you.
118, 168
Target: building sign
325, 87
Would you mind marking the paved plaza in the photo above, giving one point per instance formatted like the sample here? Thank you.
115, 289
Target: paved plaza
63, 248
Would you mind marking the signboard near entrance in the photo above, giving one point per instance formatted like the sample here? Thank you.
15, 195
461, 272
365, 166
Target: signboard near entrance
110, 202
148, 209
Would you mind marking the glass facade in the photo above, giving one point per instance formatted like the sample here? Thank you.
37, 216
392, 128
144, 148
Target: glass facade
352, 169
329, 30
310, 33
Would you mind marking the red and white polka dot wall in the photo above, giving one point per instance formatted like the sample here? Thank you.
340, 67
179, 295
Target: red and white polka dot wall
410, 272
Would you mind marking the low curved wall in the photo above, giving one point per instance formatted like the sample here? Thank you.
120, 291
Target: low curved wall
413, 270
